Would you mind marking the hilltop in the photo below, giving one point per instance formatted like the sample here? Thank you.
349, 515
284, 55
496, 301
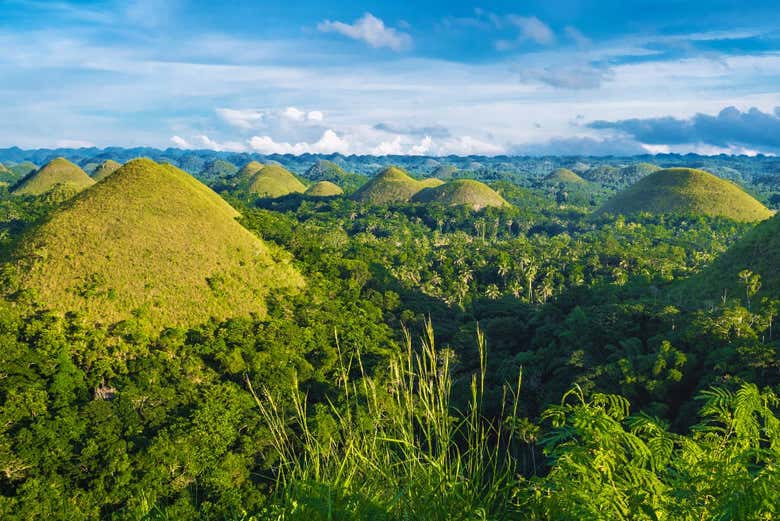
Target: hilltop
687, 190
59, 171
247, 171
444, 171
274, 181
324, 170
149, 237
218, 169
105, 169
633, 173
564, 176
324, 189
392, 185
22, 169
461, 192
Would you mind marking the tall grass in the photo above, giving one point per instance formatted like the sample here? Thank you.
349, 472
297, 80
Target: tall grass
398, 449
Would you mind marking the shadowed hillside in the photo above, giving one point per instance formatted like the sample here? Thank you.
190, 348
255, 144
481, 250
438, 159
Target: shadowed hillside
105, 169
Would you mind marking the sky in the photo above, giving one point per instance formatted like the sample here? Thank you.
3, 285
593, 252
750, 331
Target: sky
426, 77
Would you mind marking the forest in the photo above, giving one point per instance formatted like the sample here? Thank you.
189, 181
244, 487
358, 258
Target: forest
544, 344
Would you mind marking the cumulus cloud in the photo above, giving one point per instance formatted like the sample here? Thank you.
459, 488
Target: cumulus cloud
461, 146
730, 129
371, 30
180, 142
295, 114
529, 28
329, 143
241, 118
202, 141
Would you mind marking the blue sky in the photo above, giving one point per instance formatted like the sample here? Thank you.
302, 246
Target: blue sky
424, 77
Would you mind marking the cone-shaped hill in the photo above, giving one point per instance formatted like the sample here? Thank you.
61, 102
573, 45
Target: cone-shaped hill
461, 192
3, 169
687, 190
324, 189
392, 185
59, 171
149, 237
218, 169
758, 251
247, 171
635, 172
274, 181
22, 169
105, 169
444, 172
563, 176
324, 170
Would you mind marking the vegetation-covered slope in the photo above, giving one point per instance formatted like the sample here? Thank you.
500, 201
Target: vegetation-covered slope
59, 171
105, 169
461, 192
24, 168
150, 237
274, 181
565, 176
218, 169
687, 190
392, 185
324, 189
324, 170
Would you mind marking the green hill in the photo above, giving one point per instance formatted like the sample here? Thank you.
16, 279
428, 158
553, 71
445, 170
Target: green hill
758, 251
153, 238
56, 172
218, 169
687, 190
3, 169
444, 172
324, 170
324, 189
461, 192
6, 175
105, 169
274, 181
633, 173
392, 185
22, 169
563, 176
247, 171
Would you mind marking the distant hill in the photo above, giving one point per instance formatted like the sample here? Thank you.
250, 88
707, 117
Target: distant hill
6, 176
461, 192
324, 189
758, 251
563, 176
324, 170
444, 172
105, 169
274, 181
687, 190
603, 174
218, 169
633, 173
392, 185
22, 169
247, 171
59, 171
152, 238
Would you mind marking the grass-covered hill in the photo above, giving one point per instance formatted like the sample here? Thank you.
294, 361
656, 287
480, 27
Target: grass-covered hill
105, 169
6, 175
274, 181
459, 192
392, 185
22, 169
563, 176
59, 171
324, 170
758, 252
444, 171
324, 189
635, 172
247, 171
687, 190
149, 237
218, 169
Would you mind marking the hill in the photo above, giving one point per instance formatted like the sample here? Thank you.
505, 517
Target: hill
758, 251
687, 190
153, 238
274, 181
105, 169
563, 176
392, 185
218, 169
22, 169
324, 189
461, 192
633, 173
444, 172
247, 171
59, 171
324, 170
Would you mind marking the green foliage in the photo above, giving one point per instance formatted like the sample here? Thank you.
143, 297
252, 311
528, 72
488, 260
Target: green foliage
466, 192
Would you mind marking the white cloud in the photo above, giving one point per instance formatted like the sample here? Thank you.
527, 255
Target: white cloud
329, 143
73, 143
180, 142
371, 30
294, 114
531, 28
315, 115
244, 118
577, 37
229, 146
